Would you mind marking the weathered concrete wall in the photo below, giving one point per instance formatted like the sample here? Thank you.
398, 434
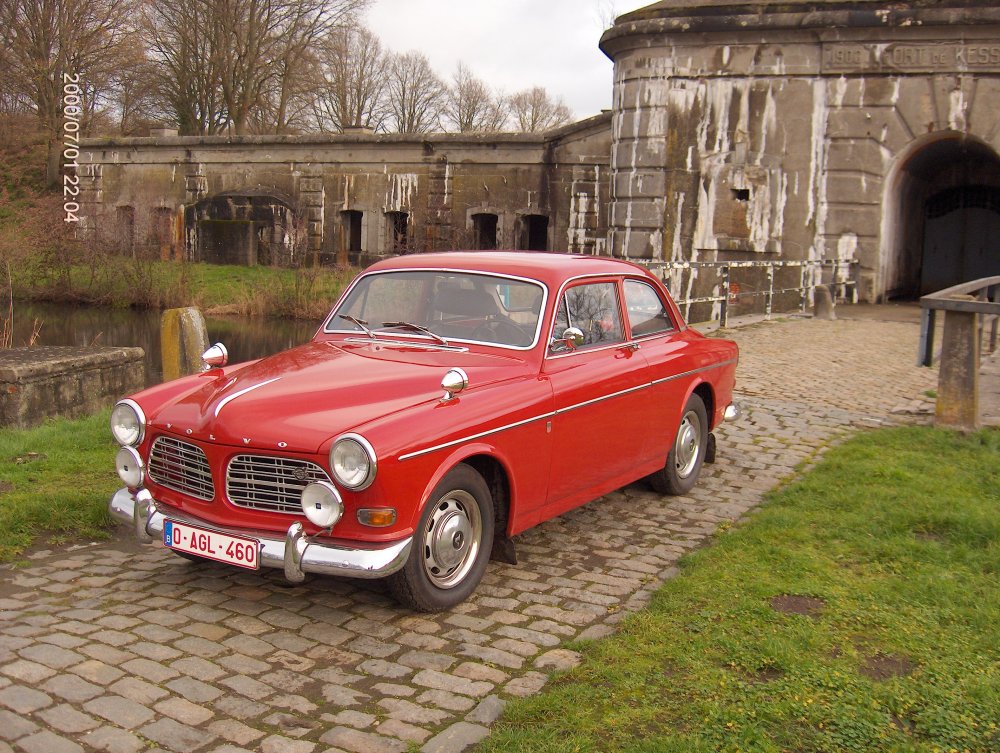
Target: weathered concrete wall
795, 130
290, 199
39, 382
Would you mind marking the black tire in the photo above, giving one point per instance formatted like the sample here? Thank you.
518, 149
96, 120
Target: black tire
451, 545
687, 453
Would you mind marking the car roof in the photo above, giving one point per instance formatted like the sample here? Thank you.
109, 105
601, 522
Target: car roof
549, 267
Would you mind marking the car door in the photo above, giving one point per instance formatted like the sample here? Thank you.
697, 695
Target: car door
599, 391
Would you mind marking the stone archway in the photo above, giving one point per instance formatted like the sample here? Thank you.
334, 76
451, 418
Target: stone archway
942, 215
248, 227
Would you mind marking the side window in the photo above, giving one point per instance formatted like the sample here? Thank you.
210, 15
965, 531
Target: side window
646, 313
593, 308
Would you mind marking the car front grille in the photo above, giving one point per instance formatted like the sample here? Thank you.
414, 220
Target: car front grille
263, 482
181, 466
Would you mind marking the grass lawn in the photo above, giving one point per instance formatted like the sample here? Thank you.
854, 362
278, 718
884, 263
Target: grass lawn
858, 610
55, 483
305, 293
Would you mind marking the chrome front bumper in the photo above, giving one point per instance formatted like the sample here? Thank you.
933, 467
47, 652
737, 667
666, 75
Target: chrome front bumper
295, 552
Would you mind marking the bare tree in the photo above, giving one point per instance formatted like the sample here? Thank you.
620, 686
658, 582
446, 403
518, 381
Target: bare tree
471, 105
183, 44
352, 92
414, 94
133, 104
534, 110
262, 41
241, 64
47, 40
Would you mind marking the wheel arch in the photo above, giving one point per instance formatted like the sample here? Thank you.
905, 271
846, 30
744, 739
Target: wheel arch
497, 479
707, 394
484, 460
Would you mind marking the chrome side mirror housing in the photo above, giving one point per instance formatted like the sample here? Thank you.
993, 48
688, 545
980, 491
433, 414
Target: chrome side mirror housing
453, 382
572, 338
215, 357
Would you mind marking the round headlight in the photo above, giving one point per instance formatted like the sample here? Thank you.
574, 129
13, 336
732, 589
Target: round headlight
128, 423
130, 468
321, 504
352, 461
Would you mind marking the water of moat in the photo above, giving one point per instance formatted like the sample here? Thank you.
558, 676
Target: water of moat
61, 324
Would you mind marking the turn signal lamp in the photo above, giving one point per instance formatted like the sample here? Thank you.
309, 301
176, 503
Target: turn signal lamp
377, 517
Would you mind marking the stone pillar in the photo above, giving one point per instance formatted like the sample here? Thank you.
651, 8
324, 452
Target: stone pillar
823, 307
91, 175
183, 338
958, 378
312, 200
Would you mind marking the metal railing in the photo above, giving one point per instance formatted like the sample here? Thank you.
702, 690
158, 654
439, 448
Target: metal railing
980, 296
839, 276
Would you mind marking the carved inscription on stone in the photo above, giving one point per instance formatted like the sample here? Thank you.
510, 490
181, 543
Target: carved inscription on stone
910, 57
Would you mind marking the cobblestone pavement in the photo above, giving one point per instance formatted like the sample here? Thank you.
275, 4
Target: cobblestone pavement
119, 648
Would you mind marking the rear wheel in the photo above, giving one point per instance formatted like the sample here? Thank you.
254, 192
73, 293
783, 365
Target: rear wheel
451, 546
687, 454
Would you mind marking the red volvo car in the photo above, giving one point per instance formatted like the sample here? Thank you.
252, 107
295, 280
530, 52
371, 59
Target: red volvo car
448, 402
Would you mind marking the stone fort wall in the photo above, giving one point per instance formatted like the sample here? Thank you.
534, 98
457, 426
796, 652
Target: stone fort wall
859, 133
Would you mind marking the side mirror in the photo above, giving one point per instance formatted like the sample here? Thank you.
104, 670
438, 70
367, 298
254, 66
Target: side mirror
215, 357
572, 338
454, 381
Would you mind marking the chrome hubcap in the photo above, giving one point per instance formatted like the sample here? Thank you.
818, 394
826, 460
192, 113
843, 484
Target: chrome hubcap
451, 539
688, 445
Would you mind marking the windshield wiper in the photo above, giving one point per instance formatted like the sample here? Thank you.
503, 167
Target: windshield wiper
360, 323
416, 328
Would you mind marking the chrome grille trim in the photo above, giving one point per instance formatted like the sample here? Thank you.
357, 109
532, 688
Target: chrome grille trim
267, 482
181, 466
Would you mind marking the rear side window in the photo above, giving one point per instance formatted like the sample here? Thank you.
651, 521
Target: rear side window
647, 314
593, 308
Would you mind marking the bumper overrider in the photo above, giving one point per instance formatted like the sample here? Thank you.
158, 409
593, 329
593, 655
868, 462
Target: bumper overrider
295, 552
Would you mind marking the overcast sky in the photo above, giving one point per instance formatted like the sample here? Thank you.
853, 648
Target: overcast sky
510, 44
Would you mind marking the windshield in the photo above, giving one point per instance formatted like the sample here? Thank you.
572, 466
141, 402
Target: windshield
436, 305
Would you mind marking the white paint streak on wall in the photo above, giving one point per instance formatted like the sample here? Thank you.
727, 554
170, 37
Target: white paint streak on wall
677, 250
840, 92
847, 246
576, 231
956, 110
816, 197
402, 187
348, 191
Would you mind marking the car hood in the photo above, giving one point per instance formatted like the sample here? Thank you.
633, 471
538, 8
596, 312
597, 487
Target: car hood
298, 399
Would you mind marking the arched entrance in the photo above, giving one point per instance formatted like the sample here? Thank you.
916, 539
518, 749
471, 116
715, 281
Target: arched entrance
942, 217
251, 226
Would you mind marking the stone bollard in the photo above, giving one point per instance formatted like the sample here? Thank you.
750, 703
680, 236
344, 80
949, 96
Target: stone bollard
958, 378
183, 338
823, 306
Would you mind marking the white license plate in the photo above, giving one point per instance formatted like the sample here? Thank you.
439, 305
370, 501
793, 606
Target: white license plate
221, 547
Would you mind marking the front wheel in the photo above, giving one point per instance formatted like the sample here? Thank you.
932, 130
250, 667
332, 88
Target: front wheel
687, 454
451, 546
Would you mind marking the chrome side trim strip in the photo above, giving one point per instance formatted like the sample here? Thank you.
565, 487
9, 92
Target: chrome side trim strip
471, 437
229, 398
694, 371
602, 398
560, 411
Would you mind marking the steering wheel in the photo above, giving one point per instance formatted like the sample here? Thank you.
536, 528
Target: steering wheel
501, 331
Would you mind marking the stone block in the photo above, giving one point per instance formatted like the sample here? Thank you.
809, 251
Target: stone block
41, 382
958, 377
183, 339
